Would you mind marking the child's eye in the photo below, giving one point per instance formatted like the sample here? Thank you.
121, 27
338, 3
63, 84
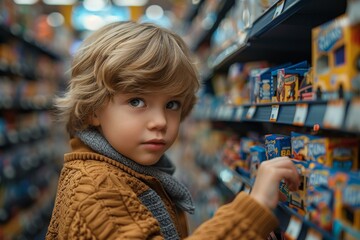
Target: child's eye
136, 102
174, 105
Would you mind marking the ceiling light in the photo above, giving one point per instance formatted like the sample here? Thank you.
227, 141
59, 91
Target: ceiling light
55, 19
59, 2
154, 12
93, 22
130, 2
25, 2
95, 5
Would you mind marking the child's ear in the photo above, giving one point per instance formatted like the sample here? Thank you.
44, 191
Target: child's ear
94, 120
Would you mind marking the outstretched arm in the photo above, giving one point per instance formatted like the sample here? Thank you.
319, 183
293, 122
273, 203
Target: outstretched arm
250, 216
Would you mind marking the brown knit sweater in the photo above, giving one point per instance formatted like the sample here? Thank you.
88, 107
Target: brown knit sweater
97, 198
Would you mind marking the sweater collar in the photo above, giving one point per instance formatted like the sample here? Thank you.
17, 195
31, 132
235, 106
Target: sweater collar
161, 171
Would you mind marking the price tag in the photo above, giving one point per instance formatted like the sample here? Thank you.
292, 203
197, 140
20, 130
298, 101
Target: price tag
300, 114
294, 228
251, 111
335, 113
274, 113
224, 112
279, 8
216, 112
238, 113
228, 112
242, 38
219, 112
313, 235
353, 114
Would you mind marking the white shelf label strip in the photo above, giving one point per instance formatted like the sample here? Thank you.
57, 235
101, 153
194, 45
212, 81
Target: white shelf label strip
334, 114
300, 114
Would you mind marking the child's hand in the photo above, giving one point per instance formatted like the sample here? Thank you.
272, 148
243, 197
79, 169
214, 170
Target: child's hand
269, 175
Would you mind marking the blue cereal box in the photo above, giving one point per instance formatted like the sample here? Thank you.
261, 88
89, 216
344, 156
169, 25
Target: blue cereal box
266, 85
319, 175
277, 145
347, 206
320, 197
338, 153
300, 145
257, 156
287, 81
297, 199
255, 80
319, 207
244, 152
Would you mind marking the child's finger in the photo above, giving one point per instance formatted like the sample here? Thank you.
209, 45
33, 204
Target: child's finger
278, 163
283, 169
288, 174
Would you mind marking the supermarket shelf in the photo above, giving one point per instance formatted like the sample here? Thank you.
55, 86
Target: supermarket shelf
25, 135
329, 115
193, 11
224, 7
232, 180
5, 32
17, 70
285, 37
293, 224
25, 105
29, 143
296, 226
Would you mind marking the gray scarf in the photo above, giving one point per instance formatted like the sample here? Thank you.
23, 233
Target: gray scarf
162, 171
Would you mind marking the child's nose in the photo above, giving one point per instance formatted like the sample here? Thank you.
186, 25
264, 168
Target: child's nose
158, 120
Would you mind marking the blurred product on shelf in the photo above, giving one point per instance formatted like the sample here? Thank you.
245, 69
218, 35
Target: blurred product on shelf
31, 146
277, 145
203, 21
327, 196
335, 58
232, 31
302, 102
257, 156
338, 153
305, 92
239, 84
268, 85
235, 86
285, 82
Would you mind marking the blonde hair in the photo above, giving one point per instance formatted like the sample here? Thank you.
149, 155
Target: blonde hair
126, 57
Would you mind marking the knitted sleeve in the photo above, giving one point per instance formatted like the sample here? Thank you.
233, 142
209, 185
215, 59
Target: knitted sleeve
243, 218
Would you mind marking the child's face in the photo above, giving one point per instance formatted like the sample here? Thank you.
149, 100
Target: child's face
140, 126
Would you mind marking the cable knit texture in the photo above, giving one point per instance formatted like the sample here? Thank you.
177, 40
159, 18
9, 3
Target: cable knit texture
99, 198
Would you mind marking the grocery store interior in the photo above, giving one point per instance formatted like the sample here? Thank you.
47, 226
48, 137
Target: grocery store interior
279, 78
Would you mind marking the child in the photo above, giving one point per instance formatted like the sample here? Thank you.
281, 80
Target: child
131, 87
